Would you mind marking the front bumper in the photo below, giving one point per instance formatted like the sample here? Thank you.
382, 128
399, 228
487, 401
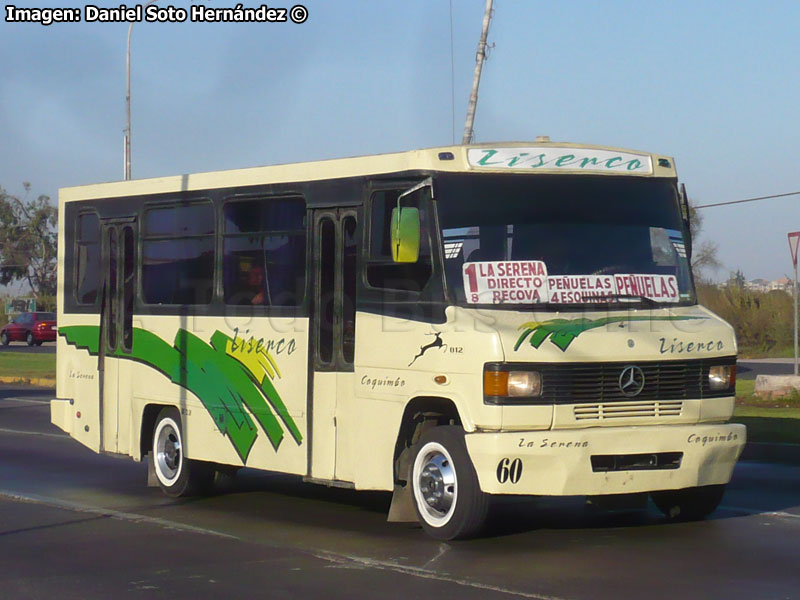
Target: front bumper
60, 414
559, 463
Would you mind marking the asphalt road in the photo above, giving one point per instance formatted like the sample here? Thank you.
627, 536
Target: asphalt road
77, 525
45, 348
750, 369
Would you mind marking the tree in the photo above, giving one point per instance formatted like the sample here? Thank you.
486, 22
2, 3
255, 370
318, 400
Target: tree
28, 241
704, 256
736, 279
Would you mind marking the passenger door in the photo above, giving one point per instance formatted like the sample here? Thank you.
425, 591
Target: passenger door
336, 253
116, 333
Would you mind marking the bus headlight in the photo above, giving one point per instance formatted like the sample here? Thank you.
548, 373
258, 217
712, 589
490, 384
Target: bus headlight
524, 383
721, 377
515, 384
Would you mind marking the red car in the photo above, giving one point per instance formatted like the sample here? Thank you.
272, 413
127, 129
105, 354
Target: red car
31, 327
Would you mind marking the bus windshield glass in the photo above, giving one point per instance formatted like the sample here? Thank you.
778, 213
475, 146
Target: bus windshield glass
513, 240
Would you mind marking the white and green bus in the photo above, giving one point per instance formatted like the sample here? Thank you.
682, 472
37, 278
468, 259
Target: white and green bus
448, 324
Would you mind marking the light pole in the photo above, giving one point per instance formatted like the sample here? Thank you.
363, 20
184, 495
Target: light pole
127, 140
476, 81
794, 241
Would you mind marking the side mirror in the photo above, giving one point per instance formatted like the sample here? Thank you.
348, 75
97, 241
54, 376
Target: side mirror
405, 235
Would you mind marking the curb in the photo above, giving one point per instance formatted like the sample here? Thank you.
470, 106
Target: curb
774, 453
37, 381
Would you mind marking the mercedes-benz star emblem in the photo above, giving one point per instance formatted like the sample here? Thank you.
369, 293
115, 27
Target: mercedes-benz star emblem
631, 381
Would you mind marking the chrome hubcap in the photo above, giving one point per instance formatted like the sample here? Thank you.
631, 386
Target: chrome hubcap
168, 453
437, 483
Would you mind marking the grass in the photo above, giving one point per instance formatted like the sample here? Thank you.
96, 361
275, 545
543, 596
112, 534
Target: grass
775, 413
774, 429
28, 365
777, 352
771, 420
745, 387
746, 399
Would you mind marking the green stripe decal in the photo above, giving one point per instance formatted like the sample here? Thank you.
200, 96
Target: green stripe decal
226, 386
563, 331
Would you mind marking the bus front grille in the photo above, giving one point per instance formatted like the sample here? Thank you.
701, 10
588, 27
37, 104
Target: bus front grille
602, 383
627, 410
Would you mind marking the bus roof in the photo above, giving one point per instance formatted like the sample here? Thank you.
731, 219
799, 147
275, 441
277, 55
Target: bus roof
541, 156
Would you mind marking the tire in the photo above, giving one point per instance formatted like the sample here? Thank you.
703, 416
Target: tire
177, 475
690, 504
4, 339
30, 340
447, 496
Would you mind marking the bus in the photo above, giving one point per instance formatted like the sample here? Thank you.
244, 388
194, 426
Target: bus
448, 324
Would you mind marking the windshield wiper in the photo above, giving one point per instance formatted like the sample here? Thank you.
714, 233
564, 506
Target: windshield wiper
633, 298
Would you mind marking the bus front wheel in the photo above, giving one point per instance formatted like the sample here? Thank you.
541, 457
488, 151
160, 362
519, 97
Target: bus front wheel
177, 475
447, 496
690, 504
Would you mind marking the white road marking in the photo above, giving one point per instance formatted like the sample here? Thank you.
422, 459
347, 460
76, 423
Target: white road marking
42, 433
425, 574
443, 548
107, 512
25, 400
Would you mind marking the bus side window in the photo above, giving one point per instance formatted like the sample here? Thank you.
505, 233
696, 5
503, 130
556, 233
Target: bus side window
87, 258
349, 278
265, 251
178, 254
382, 271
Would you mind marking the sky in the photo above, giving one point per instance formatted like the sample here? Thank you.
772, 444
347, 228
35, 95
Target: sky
713, 84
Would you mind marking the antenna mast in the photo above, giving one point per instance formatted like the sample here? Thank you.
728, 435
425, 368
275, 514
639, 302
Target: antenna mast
479, 58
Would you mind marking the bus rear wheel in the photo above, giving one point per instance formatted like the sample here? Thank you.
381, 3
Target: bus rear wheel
690, 504
447, 496
177, 475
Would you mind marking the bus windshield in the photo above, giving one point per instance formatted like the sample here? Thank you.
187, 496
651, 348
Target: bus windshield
512, 240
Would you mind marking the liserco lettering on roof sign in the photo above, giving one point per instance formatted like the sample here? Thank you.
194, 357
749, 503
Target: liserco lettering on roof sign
560, 159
